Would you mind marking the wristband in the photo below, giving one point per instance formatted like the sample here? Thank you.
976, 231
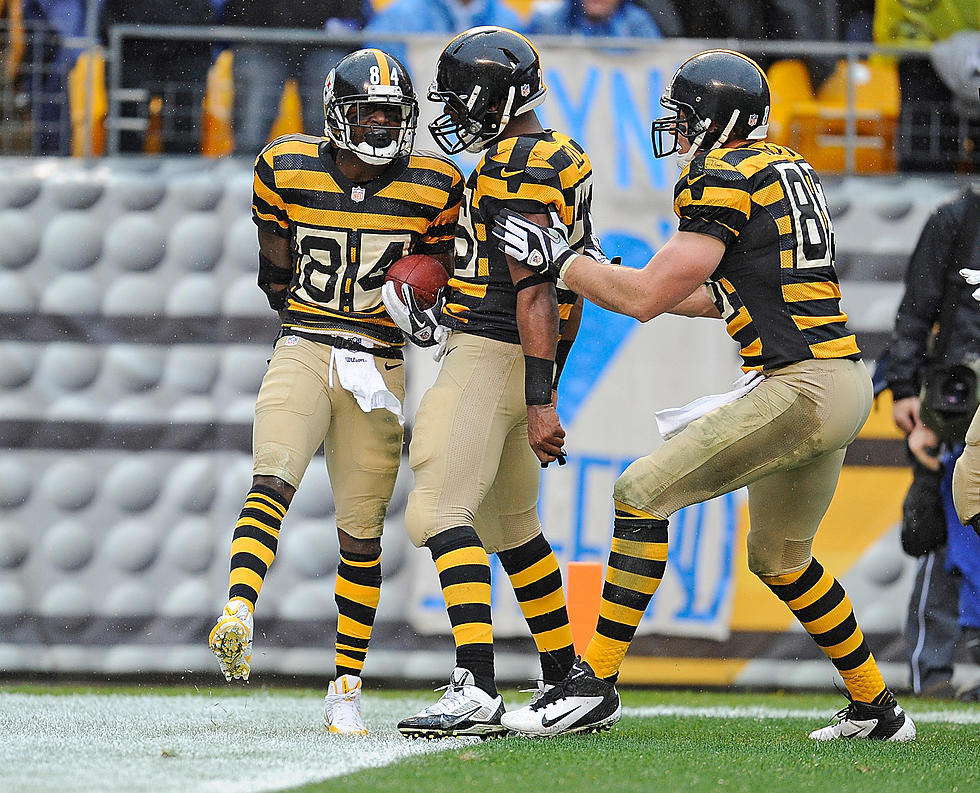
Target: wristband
272, 273
538, 376
561, 355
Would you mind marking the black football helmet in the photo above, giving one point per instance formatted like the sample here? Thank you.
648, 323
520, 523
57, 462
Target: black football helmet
352, 91
715, 96
485, 77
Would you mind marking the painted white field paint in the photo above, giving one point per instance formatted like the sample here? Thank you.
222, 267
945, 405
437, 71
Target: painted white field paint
192, 743
202, 743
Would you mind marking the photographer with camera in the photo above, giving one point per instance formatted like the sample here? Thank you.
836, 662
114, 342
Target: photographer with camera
932, 371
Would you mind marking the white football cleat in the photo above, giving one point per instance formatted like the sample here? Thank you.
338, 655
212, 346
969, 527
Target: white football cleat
581, 702
872, 722
342, 706
465, 709
231, 640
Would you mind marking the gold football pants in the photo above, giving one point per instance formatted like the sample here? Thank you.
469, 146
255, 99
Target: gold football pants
472, 462
785, 440
966, 474
297, 410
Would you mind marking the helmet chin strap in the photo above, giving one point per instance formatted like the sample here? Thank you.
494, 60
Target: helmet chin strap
505, 118
683, 160
479, 144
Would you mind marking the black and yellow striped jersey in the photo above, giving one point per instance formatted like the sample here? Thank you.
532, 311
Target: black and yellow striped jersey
778, 287
528, 174
344, 236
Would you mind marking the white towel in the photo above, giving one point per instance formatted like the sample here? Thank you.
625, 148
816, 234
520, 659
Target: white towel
359, 375
672, 420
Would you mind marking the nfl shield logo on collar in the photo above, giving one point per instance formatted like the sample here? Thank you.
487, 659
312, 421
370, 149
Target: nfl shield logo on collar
525, 90
357, 194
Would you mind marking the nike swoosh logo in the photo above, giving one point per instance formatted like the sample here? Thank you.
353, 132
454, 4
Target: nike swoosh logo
696, 178
507, 174
546, 722
452, 719
856, 731
392, 365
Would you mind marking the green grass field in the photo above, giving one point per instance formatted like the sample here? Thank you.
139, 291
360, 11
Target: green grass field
82, 740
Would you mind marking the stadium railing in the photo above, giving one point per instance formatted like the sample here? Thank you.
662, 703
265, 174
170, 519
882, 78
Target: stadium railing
854, 123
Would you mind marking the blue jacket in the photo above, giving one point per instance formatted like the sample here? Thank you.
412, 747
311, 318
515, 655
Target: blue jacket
436, 16
963, 548
627, 21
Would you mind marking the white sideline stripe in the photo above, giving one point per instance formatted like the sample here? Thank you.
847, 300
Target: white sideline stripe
759, 712
193, 743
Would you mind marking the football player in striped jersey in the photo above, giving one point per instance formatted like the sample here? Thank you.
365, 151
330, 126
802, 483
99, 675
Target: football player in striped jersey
333, 213
488, 423
755, 247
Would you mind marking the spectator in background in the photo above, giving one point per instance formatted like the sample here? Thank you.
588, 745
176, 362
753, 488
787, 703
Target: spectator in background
175, 70
797, 20
928, 123
12, 15
440, 16
801, 20
13, 102
613, 18
715, 19
261, 69
47, 24
934, 293
856, 19
957, 62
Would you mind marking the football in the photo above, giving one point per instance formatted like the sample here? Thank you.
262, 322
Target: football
423, 273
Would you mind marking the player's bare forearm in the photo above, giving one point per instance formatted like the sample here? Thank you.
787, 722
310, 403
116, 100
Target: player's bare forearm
537, 320
697, 304
537, 324
275, 269
277, 250
676, 270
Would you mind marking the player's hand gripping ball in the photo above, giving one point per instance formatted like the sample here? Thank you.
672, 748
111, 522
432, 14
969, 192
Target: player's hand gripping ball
413, 294
424, 275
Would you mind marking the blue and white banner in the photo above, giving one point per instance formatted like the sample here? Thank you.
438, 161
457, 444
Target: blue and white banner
620, 372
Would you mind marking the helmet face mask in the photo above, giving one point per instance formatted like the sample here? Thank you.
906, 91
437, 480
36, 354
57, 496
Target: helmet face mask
485, 77
716, 96
369, 107
455, 129
675, 126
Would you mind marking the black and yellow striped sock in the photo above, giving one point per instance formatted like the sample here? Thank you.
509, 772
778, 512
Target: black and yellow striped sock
637, 560
254, 543
821, 605
534, 574
464, 574
357, 593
